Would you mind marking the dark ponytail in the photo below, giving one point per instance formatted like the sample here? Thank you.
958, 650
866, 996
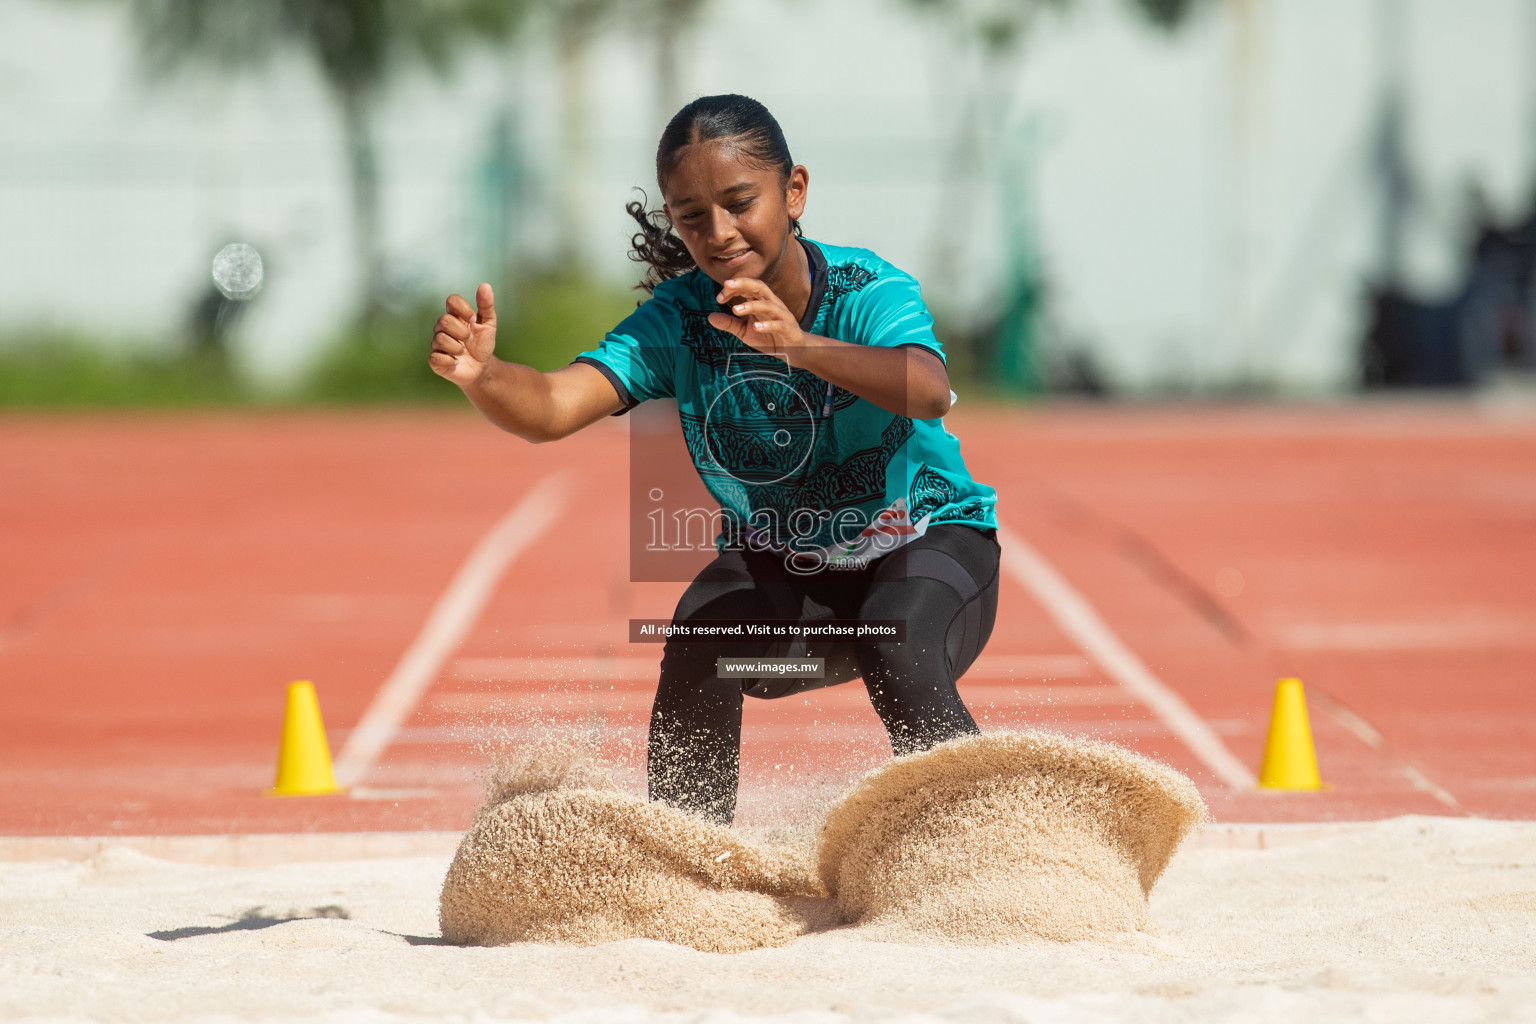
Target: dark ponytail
757, 138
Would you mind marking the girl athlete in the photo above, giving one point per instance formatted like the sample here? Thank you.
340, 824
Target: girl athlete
811, 389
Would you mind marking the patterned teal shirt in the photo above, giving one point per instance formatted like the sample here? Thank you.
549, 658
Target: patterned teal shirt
797, 464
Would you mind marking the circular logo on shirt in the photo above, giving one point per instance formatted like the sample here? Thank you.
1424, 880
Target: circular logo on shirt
758, 429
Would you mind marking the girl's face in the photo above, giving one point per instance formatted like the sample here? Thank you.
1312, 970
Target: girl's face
732, 215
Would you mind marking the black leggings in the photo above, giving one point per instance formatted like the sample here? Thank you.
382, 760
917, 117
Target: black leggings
943, 585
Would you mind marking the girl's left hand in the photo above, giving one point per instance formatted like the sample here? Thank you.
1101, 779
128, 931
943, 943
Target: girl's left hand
761, 319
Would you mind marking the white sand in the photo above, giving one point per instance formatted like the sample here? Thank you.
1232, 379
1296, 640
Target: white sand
1416, 919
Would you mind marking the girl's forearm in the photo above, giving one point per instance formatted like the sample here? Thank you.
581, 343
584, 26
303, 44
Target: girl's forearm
516, 398
905, 381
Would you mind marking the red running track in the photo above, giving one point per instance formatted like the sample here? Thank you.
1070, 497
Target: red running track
162, 579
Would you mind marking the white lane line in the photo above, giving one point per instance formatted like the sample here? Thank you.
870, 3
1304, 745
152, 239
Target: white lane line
1407, 636
1029, 666
1418, 780
1077, 618
505, 670
451, 618
1368, 734
1054, 696
561, 669
799, 737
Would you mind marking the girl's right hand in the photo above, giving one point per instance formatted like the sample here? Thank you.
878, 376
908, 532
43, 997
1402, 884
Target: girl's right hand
464, 338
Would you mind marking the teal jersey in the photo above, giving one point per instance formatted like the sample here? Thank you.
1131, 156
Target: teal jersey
797, 464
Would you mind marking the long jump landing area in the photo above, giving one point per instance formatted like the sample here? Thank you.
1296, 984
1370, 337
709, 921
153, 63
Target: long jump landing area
162, 578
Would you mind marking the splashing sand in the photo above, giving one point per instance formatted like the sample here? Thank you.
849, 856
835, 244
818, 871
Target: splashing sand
986, 839
557, 854
1004, 837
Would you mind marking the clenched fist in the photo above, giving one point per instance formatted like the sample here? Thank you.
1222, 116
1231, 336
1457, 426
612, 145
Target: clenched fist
464, 338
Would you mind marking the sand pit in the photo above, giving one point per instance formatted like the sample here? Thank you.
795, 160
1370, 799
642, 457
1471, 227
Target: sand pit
1413, 921
1007, 837
557, 854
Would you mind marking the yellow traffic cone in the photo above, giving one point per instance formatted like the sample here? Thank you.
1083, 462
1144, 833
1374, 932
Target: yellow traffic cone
304, 760
1289, 759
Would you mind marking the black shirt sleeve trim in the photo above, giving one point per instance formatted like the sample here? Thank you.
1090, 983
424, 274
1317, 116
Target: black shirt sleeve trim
925, 348
613, 378
818, 261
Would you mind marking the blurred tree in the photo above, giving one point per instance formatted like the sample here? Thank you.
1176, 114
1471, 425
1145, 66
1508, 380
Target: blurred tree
993, 32
669, 19
355, 44
1166, 14
576, 24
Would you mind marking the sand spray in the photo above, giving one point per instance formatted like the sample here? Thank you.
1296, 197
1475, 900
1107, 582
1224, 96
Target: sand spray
1000, 838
